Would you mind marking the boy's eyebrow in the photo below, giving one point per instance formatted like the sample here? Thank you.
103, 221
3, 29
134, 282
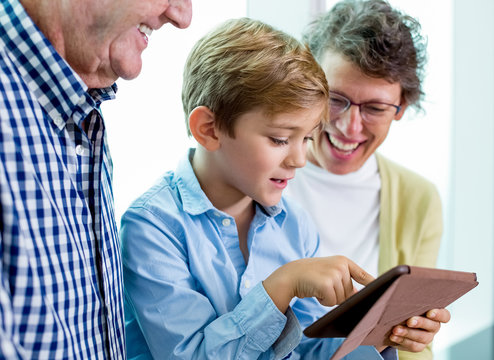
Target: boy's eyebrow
288, 127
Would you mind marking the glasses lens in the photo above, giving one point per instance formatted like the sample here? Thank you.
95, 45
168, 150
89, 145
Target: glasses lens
377, 112
337, 104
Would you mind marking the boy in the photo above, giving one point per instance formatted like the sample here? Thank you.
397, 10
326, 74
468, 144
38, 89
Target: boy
216, 264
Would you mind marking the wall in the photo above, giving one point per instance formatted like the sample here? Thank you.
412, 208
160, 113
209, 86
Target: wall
471, 213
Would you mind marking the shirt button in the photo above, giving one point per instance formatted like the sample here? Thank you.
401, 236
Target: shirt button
79, 150
247, 284
226, 222
82, 100
57, 119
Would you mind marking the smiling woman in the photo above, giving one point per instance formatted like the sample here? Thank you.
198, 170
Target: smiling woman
373, 56
352, 137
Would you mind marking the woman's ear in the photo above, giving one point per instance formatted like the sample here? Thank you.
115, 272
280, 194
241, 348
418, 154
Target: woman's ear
400, 114
203, 129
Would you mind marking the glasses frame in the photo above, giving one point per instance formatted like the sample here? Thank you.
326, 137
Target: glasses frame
349, 103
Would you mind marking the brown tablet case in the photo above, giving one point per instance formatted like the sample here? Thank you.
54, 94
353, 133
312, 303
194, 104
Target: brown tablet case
367, 317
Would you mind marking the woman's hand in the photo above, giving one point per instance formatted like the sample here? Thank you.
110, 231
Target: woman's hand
419, 330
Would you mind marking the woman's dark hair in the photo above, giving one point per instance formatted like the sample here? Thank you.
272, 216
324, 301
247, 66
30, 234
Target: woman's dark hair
382, 41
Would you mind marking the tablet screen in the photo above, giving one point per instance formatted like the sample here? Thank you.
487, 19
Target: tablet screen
340, 321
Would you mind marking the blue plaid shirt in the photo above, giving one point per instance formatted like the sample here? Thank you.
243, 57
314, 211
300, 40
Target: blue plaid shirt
60, 275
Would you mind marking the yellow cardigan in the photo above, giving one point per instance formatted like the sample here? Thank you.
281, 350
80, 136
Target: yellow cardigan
410, 224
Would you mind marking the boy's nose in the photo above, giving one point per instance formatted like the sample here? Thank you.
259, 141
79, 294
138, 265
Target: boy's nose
350, 122
297, 157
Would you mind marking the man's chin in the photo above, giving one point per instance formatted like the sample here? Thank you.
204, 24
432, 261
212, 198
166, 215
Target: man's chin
98, 81
126, 66
108, 76
129, 72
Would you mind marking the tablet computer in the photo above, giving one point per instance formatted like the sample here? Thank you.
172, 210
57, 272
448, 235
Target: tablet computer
402, 292
342, 319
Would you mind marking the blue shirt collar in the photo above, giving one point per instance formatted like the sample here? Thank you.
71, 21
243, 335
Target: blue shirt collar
57, 87
195, 201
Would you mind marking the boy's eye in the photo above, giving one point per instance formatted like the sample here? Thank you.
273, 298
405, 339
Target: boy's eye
308, 138
279, 141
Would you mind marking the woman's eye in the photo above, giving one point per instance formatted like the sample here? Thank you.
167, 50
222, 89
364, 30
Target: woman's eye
308, 138
279, 141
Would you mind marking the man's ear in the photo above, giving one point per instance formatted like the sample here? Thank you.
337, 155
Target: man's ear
203, 127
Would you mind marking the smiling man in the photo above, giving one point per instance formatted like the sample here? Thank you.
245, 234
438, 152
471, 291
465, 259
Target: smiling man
60, 275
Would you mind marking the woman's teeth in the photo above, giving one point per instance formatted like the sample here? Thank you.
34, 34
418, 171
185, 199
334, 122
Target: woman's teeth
342, 146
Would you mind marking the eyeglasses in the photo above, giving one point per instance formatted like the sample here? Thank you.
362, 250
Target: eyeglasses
371, 112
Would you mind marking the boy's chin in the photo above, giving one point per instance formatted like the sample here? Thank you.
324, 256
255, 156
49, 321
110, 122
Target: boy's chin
270, 202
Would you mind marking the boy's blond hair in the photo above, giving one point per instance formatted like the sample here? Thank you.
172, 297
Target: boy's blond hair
245, 64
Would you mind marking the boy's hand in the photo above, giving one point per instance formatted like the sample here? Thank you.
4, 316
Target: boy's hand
329, 279
419, 330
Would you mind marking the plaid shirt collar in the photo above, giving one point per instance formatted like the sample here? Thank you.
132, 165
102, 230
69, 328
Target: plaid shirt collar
56, 85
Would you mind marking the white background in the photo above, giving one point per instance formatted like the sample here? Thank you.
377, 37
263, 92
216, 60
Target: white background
451, 144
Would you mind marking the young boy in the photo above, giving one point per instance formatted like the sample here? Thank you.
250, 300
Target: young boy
216, 264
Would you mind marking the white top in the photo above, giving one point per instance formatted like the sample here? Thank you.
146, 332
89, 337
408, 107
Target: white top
345, 209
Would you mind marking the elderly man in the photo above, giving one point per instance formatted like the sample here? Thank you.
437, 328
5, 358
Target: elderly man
60, 274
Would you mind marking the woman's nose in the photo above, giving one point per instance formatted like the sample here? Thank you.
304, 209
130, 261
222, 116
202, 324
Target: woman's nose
350, 122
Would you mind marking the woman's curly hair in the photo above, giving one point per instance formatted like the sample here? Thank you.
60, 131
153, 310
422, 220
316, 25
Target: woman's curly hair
380, 40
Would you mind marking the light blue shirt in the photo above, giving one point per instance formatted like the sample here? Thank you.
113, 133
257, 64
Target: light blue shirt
189, 293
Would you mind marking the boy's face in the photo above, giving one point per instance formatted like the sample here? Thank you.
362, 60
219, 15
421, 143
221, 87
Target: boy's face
264, 154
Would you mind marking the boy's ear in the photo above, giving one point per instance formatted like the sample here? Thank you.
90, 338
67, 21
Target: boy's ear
202, 126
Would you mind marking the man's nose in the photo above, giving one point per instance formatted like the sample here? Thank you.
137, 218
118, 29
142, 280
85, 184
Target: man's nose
179, 13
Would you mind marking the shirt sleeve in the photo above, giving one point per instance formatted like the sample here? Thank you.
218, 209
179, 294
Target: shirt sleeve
9, 349
390, 353
160, 289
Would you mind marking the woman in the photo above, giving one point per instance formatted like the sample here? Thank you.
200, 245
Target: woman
366, 207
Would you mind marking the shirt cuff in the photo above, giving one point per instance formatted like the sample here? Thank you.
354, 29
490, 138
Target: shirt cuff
370, 352
290, 336
260, 319
390, 353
